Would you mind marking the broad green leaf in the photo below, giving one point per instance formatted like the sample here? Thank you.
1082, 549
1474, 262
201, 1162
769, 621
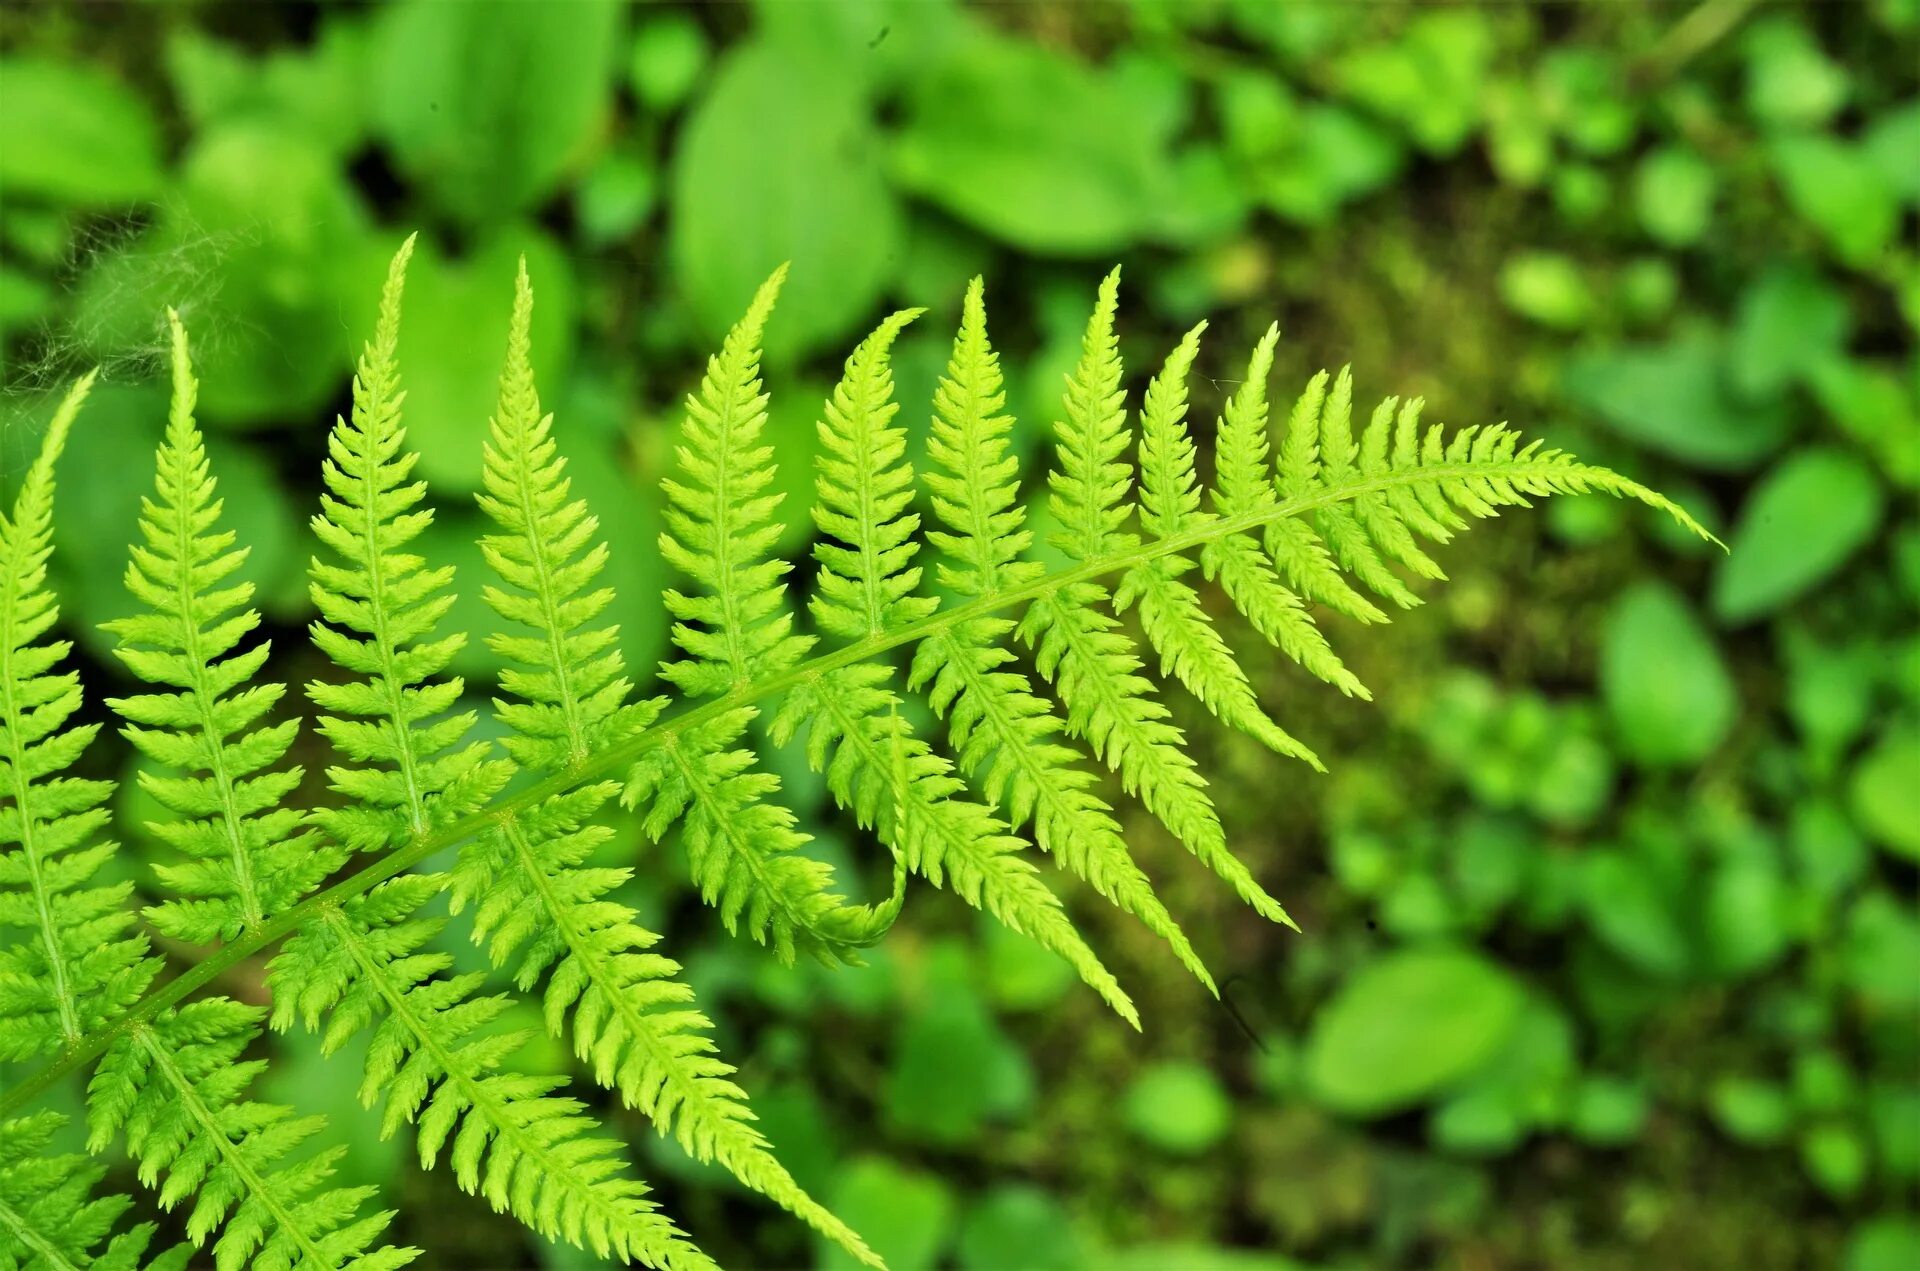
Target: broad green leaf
1801, 523
1548, 288
1750, 1111
906, 1215
1428, 78
1629, 908
1663, 680
1673, 190
1178, 1107
1670, 398
1033, 147
1016, 1225
1839, 190
318, 91
1885, 792
669, 53
1407, 1026
1790, 321
952, 1071
488, 106
1790, 80
73, 132
1748, 913
779, 161
1885, 1244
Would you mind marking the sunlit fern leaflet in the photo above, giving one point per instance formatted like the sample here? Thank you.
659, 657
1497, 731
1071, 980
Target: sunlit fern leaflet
941, 608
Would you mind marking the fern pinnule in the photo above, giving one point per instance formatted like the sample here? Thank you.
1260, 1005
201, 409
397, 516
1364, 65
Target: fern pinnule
79, 967
737, 628
537, 901
246, 856
1004, 735
49, 1216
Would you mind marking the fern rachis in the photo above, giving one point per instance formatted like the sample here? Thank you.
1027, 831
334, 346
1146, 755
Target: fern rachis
1281, 527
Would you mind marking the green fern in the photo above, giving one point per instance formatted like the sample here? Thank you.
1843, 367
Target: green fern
633, 1021
1323, 519
78, 968
49, 1217
247, 855
525, 1150
743, 847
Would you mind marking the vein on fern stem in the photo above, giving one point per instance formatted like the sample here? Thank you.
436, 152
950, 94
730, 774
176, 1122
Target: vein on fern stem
1548, 466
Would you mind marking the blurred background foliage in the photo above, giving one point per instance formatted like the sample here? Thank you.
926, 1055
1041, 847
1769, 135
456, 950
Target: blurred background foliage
1611, 947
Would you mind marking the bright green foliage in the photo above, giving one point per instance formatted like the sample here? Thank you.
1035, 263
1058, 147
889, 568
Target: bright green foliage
526, 1151
1277, 534
570, 677
49, 1216
376, 610
78, 967
1081, 650
246, 857
174, 1085
743, 847
538, 903
891, 780
1005, 735
509, 1138
1171, 612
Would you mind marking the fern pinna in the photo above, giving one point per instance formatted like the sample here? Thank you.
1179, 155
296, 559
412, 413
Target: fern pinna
1037, 678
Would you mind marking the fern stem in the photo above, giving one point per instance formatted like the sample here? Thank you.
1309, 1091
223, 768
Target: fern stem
1550, 475
51, 1258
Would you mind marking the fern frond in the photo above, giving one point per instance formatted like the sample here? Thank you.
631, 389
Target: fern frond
509, 1137
78, 968
528, 1152
1172, 615
246, 856
1079, 648
891, 780
537, 904
50, 1220
1005, 736
741, 844
1243, 486
378, 607
175, 1085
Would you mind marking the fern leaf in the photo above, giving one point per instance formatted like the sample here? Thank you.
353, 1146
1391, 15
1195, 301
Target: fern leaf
1299, 552
78, 968
875, 766
50, 1220
1243, 487
377, 607
1005, 736
246, 858
175, 1085
896, 786
526, 1150
632, 1019
1079, 648
509, 1137
742, 845
1171, 613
